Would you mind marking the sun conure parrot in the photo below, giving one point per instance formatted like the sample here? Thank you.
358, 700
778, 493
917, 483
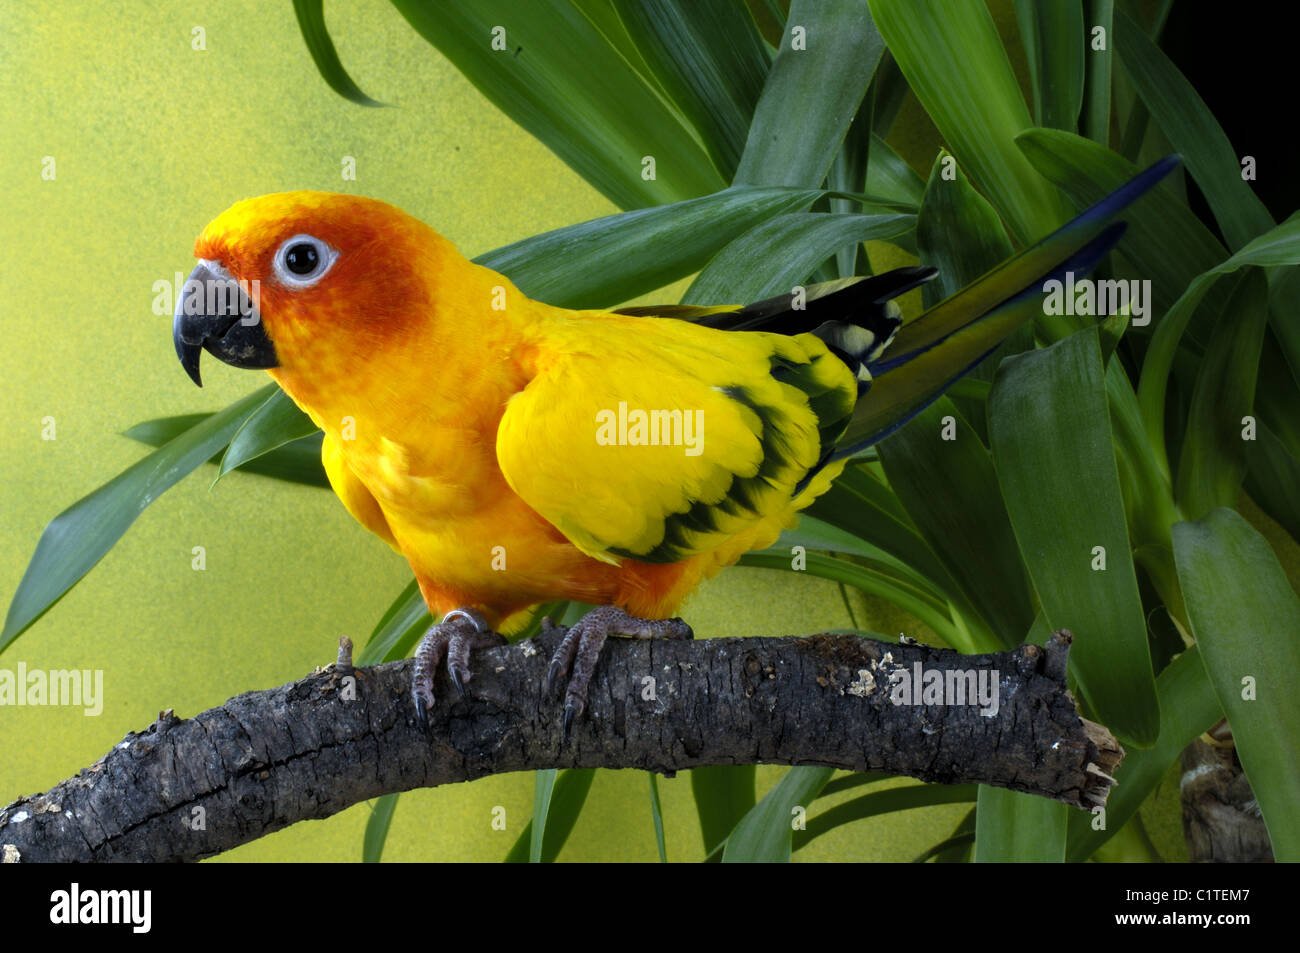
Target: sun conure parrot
518, 453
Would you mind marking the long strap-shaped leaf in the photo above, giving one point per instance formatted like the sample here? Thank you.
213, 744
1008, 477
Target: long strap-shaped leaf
1049, 424
710, 58
1054, 47
780, 253
311, 20
1278, 246
827, 58
608, 260
1246, 619
550, 69
955, 63
1191, 129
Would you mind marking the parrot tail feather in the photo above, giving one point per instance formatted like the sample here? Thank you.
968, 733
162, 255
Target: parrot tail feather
855, 317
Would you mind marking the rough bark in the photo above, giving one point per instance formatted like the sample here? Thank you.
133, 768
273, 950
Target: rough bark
184, 789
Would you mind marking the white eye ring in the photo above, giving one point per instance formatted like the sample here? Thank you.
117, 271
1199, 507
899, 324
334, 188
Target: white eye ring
325, 258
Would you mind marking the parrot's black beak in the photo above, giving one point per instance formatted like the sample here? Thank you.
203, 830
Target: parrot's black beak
217, 313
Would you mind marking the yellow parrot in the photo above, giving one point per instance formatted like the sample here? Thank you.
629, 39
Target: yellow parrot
517, 453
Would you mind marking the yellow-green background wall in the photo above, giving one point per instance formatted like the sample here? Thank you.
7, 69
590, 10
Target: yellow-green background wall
151, 139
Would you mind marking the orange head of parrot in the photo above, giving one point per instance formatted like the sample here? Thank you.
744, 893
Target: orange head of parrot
285, 276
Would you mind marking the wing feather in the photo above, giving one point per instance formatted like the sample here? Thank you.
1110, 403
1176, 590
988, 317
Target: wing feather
759, 411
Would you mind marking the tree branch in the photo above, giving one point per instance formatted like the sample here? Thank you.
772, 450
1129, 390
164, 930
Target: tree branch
188, 789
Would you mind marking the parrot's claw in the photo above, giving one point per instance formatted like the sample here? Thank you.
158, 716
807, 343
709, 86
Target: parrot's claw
580, 650
423, 703
552, 674
460, 631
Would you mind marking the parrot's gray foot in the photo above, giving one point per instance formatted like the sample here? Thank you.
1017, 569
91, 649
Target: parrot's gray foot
459, 631
581, 647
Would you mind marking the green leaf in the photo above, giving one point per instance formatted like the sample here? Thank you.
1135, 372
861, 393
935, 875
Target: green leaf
1279, 246
780, 253
657, 815
160, 430
865, 507
889, 175
1054, 44
543, 787
811, 94
1278, 396
1213, 461
311, 20
604, 17
1013, 827
950, 52
398, 630
812, 533
1096, 105
888, 91
1194, 133
882, 802
78, 538
1051, 434
608, 260
381, 817
295, 462
1246, 618
723, 795
769, 18
877, 581
963, 520
1148, 493
763, 834
710, 58
1271, 479
567, 85
567, 798
958, 232
273, 425
848, 175
1130, 845
1187, 708
873, 570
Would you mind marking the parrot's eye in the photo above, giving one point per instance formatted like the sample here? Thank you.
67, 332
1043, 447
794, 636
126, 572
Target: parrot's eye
302, 260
